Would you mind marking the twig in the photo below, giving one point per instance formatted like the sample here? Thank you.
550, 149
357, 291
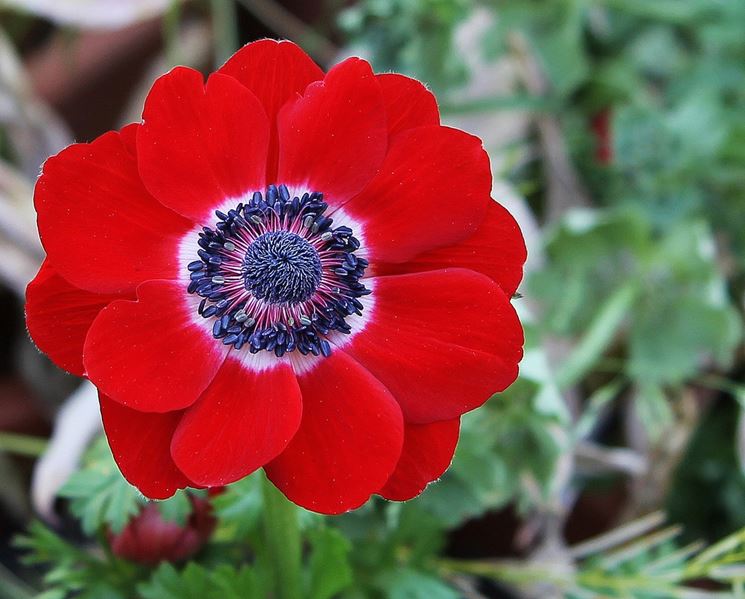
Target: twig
19, 243
171, 27
591, 456
192, 38
34, 130
674, 557
618, 556
22, 444
14, 231
277, 18
618, 536
17, 268
224, 29
564, 186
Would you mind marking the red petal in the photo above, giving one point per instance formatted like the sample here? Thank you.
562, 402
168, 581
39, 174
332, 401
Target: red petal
275, 72
101, 228
140, 443
431, 191
333, 139
442, 342
496, 249
242, 421
349, 440
128, 134
201, 145
58, 316
427, 453
152, 355
407, 102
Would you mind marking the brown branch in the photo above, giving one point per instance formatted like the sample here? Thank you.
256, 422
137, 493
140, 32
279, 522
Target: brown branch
565, 189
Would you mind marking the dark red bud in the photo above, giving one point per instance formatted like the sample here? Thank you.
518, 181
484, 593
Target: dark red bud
601, 127
149, 539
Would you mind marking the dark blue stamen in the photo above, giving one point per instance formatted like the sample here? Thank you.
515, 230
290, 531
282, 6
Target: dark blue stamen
279, 268
282, 267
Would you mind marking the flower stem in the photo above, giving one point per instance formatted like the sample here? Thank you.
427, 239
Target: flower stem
283, 541
285, 24
22, 444
224, 29
171, 25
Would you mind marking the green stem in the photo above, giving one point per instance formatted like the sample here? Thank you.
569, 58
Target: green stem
22, 444
224, 29
283, 541
285, 24
598, 337
171, 24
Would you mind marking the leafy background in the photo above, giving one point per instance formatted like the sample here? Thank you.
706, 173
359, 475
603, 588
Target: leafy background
614, 466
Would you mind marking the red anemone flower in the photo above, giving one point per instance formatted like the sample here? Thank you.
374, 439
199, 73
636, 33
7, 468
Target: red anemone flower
282, 269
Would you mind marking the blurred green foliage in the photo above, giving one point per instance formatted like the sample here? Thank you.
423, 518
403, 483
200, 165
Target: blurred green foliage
709, 494
649, 280
101, 498
677, 286
410, 36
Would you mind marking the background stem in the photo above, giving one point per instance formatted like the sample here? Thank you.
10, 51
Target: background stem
287, 25
224, 29
22, 444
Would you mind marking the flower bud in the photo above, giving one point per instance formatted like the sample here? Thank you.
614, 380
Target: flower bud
150, 539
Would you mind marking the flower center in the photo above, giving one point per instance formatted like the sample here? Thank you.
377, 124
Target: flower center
275, 275
282, 267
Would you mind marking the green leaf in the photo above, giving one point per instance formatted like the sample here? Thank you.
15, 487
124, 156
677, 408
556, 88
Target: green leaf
457, 497
669, 288
686, 316
535, 369
598, 337
710, 469
656, 51
507, 449
239, 507
739, 393
45, 546
668, 340
176, 509
669, 11
594, 407
406, 583
330, 571
73, 572
99, 493
168, 583
700, 125
591, 254
560, 43
198, 582
653, 409
382, 31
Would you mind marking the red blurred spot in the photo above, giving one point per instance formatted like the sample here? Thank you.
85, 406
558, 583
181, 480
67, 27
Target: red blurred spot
149, 539
601, 127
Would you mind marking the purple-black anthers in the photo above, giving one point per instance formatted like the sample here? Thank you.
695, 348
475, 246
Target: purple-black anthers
275, 275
